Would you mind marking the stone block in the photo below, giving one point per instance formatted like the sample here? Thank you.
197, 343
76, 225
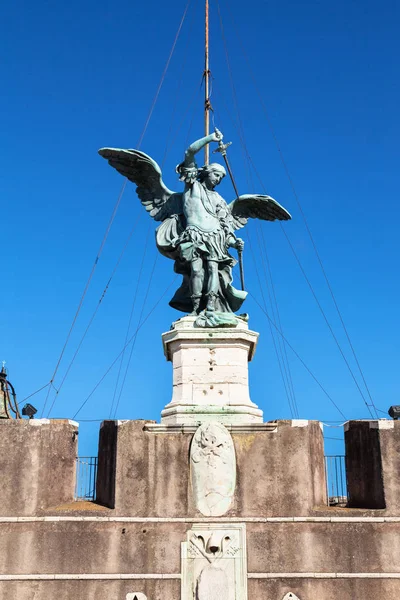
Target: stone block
281, 473
37, 465
373, 464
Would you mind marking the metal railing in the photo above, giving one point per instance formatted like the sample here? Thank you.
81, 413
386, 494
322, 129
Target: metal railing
86, 473
336, 483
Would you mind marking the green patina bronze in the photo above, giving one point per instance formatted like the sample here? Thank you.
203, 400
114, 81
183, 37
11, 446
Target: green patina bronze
197, 228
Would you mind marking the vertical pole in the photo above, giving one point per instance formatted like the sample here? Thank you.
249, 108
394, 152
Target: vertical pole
206, 89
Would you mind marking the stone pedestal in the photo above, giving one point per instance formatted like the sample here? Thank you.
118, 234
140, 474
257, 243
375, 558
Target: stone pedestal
210, 374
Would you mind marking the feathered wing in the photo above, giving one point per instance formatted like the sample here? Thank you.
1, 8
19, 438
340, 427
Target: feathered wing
254, 206
157, 199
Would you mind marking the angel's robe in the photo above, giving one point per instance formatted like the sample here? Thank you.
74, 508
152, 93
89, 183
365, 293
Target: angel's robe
184, 242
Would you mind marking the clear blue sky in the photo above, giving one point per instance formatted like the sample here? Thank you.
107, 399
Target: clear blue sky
79, 76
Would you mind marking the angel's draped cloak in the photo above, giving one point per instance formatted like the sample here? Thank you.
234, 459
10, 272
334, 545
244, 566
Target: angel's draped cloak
174, 242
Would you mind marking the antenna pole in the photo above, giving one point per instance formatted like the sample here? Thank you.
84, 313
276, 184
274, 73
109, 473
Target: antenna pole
207, 105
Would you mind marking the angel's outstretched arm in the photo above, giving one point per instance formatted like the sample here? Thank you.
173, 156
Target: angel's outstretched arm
194, 148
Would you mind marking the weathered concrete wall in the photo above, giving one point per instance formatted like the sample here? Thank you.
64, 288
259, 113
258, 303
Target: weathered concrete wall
282, 472
325, 589
117, 547
88, 590
274, 589
324, 553
37, 465
373, 464
389, 437
279, 472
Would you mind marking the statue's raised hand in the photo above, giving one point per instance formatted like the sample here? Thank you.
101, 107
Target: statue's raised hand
217, 136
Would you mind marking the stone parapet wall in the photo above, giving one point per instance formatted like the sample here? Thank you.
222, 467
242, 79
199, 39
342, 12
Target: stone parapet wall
373, 464
280, 471
37, 465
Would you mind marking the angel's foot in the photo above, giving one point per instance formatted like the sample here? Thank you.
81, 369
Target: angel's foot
196, 305
211, 301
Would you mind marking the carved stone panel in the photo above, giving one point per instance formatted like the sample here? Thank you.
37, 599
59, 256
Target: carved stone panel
214, 563
213, 469
290, 596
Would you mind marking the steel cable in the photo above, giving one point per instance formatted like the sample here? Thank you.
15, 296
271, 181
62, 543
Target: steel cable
291, 183
125, 346
95, 311
115, 208
131, 314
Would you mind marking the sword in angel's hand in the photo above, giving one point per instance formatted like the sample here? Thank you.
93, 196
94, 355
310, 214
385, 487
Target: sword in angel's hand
222, 150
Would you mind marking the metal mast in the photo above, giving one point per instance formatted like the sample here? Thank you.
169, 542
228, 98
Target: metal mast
8, 397
207, 104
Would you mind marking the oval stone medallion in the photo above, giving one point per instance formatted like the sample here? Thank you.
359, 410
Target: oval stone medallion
213, 469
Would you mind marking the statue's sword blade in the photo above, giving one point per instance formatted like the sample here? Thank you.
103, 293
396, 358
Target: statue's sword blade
241, 269
240, 253
222, 149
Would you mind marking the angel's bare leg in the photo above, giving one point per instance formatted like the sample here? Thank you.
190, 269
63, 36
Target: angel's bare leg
212, 284
196, 282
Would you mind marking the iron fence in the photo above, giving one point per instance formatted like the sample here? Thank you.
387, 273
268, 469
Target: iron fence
336, 483
86, 473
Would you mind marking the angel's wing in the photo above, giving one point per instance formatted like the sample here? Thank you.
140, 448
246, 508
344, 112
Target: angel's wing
157, 199
256, 207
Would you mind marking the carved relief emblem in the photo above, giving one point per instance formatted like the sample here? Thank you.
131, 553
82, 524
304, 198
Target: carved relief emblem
212, 582
213, 469
214, 563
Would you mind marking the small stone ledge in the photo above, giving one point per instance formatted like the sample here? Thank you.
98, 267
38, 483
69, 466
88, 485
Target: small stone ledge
373, 423
178, 576
382, 424
233, 520
323, 575
192, 428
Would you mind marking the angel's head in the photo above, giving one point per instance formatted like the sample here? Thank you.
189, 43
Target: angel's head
211, 175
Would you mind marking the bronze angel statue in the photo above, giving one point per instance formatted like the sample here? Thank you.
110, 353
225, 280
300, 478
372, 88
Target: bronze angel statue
197, 228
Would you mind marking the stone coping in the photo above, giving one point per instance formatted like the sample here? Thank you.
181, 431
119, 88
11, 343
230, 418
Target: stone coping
210, 337
37, 422
192, 428
178, 576
233, 520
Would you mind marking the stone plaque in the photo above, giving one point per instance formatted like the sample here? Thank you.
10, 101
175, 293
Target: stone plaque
214, 563
213, 469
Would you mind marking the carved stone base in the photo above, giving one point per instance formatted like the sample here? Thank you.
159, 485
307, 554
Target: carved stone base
210, 374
